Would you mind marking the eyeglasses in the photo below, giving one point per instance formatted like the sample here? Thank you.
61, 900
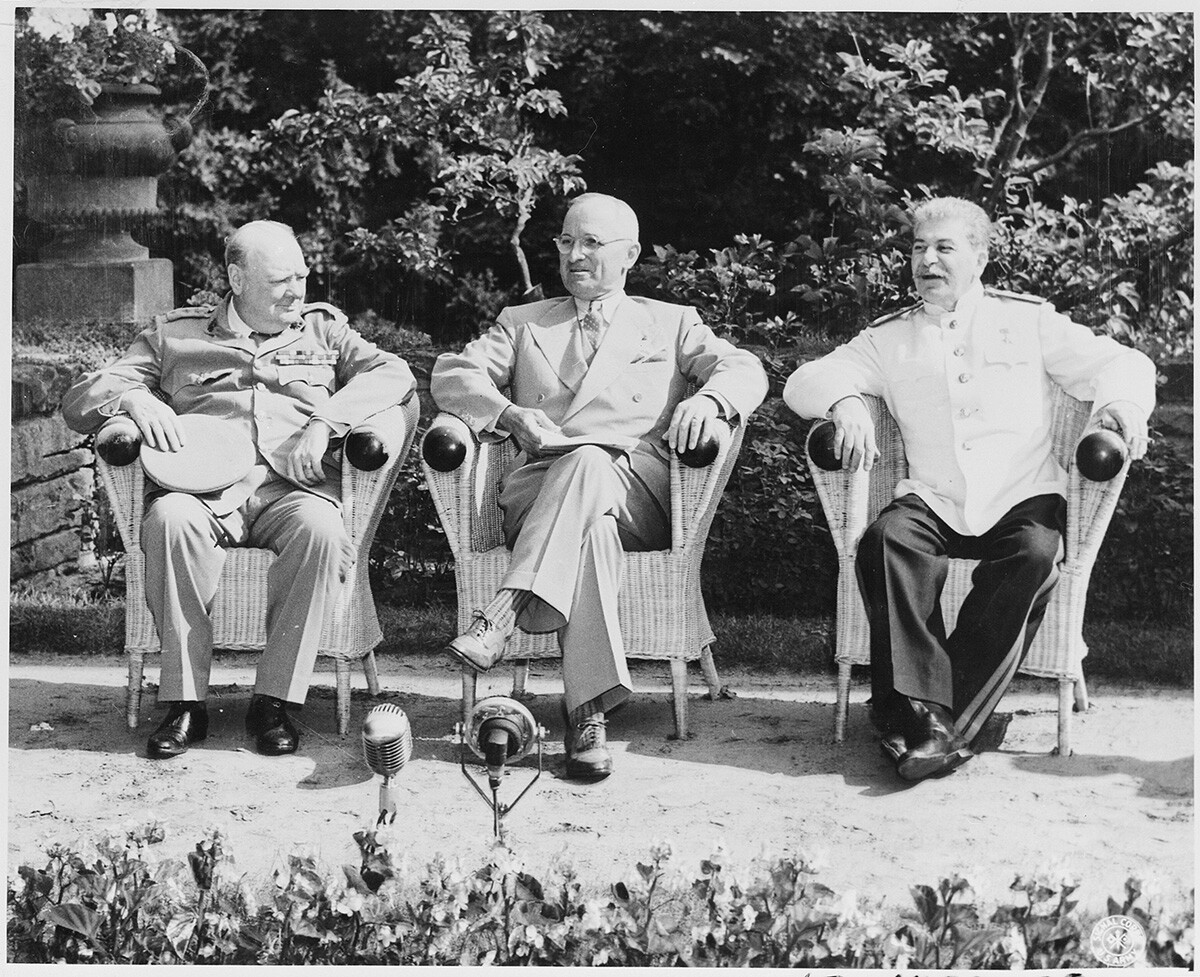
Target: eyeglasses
590, 245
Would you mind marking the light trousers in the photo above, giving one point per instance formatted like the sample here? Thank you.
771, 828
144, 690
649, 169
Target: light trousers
568, 521
185, 547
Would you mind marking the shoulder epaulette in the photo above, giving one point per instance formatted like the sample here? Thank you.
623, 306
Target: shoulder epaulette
1016, 296
191, 312
330, 310
888, 317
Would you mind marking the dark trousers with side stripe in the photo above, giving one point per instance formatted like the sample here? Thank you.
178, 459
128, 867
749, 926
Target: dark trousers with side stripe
902, 565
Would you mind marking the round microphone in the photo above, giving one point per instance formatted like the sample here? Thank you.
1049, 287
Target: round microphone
387, 739
501, 731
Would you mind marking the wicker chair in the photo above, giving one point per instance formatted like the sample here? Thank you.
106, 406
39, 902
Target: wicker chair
660, 606
852, 501
351, 629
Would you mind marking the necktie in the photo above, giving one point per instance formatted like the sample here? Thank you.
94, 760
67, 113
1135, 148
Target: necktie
590, 324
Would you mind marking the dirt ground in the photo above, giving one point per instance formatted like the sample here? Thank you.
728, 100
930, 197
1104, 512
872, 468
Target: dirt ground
760, 775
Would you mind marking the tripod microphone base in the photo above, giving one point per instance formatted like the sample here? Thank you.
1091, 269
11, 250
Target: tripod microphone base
499, 810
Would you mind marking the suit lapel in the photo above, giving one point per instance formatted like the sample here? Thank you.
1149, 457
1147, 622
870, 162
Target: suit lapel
629, 337
554, 335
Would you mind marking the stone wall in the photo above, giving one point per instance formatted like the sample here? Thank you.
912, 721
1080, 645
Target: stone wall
51, 471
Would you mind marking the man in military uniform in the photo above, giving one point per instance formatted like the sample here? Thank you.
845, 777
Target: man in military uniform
967, 373
293, 378
611, 370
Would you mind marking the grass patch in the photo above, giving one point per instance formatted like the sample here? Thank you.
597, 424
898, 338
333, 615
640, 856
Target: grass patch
1121, 651
65, 624
1140, 651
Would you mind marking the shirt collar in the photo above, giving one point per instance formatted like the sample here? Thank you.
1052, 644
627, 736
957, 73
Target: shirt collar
963, 308
237, 325
604, 307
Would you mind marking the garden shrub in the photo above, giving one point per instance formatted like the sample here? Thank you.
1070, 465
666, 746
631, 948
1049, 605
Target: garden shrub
124, 905
1145, 567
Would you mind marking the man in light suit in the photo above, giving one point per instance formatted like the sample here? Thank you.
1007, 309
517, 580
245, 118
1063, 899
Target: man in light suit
293, 378
614, 370
968, 374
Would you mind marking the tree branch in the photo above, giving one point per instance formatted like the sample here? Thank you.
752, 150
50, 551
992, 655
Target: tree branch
1014, 137
1088, 136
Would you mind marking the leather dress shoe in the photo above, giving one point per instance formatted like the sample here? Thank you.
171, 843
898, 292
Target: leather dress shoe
267, 720
481, 646
186, 723
938, 750
587, 749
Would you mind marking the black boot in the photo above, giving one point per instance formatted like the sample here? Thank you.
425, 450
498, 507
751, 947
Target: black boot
267, 720
186, 723
934, 746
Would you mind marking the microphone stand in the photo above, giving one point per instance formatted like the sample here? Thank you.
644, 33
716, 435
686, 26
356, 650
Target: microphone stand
498, 809
388, 802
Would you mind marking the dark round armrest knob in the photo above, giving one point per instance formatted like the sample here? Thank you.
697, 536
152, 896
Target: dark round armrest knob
120, 446
1101, 455
443, 448
366, 451
703, 455
820, 446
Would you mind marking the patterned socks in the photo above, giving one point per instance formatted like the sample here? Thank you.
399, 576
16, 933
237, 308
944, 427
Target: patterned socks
504, 608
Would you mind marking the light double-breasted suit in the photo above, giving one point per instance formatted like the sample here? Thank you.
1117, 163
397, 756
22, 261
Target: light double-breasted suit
568, 518
268, 389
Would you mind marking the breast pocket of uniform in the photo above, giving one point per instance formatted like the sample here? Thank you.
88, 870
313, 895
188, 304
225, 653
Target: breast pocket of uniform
1011, 385
191, 382
310, 375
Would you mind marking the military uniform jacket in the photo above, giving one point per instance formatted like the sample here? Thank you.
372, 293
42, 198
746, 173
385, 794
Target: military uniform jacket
641, 370
190, 358
972, 391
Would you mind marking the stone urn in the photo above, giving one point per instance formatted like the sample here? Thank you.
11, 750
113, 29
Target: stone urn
91, 177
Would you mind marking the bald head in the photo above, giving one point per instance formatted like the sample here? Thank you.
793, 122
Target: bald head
255, 235
602, 235
613, 210
267, 275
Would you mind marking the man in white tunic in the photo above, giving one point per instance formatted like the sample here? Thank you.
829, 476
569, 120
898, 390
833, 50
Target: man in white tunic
968, 374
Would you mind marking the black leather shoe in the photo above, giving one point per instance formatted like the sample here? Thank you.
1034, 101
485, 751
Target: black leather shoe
587, 748
186, 723
938, 748
268, 722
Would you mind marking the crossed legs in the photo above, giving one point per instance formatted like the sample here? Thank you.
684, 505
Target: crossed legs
569, 520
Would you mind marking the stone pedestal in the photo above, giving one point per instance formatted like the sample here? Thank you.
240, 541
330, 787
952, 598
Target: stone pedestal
91, 178
124, 291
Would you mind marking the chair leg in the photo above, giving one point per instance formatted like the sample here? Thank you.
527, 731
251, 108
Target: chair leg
1066, 694
679, 697
843, 702
1081, 694
709, 668
468, 695
342, 668
371, 670
520, 677
133, 689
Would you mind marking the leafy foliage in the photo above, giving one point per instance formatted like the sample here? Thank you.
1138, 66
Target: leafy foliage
63, 56
124, 907
391, 188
